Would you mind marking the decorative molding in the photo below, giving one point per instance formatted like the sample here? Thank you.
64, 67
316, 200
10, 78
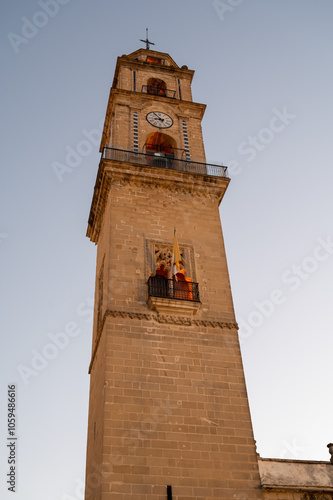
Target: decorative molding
176, 187
159, 318
135, 131
164, 305
185, 140
113, 174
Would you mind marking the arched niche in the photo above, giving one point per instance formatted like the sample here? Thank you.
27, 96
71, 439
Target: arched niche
155, 86
161, 143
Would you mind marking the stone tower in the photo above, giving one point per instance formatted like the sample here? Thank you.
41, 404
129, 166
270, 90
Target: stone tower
168, 411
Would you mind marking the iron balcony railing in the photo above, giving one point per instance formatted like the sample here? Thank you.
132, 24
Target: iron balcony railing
158, 286
164, 160
156, 90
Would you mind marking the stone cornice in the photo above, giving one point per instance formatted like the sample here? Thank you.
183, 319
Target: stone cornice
137, 63
150, 52
122, 173
295, 475
159, 318
135, 97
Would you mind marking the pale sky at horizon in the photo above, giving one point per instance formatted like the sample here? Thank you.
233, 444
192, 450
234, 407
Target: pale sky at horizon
264, 69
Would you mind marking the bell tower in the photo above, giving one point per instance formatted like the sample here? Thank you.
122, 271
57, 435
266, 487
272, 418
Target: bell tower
168, 410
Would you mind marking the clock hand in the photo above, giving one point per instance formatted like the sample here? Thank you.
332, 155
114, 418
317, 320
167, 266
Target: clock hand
162, 119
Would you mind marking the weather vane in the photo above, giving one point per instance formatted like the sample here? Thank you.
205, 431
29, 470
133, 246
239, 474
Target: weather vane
146, 41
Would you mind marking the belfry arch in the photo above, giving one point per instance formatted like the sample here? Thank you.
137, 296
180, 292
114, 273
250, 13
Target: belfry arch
161, 150
156, 86
161, 143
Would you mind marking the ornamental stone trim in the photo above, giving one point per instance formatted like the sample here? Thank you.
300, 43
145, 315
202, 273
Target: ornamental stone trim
159, 318
113, 173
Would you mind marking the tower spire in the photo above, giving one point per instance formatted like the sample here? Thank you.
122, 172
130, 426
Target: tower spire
146, 41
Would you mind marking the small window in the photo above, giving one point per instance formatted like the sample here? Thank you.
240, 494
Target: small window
155, 60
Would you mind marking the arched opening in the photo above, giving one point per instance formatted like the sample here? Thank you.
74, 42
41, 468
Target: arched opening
163, 143
156, 86
160, 149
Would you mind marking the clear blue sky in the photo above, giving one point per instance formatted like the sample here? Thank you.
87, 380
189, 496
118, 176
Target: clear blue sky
264, 69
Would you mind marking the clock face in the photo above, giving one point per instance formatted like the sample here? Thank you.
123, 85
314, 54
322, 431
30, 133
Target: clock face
159, 119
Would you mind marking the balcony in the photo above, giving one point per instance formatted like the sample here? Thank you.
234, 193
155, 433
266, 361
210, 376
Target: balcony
169, 296
156, 90
170, 289
164, 160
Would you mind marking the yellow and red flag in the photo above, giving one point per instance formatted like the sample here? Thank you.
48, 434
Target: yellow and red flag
176, 258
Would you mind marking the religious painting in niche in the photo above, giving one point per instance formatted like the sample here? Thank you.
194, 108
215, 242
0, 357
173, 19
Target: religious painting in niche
170, 279
163, 260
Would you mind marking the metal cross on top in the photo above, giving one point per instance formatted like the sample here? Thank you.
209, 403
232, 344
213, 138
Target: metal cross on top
147, 42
